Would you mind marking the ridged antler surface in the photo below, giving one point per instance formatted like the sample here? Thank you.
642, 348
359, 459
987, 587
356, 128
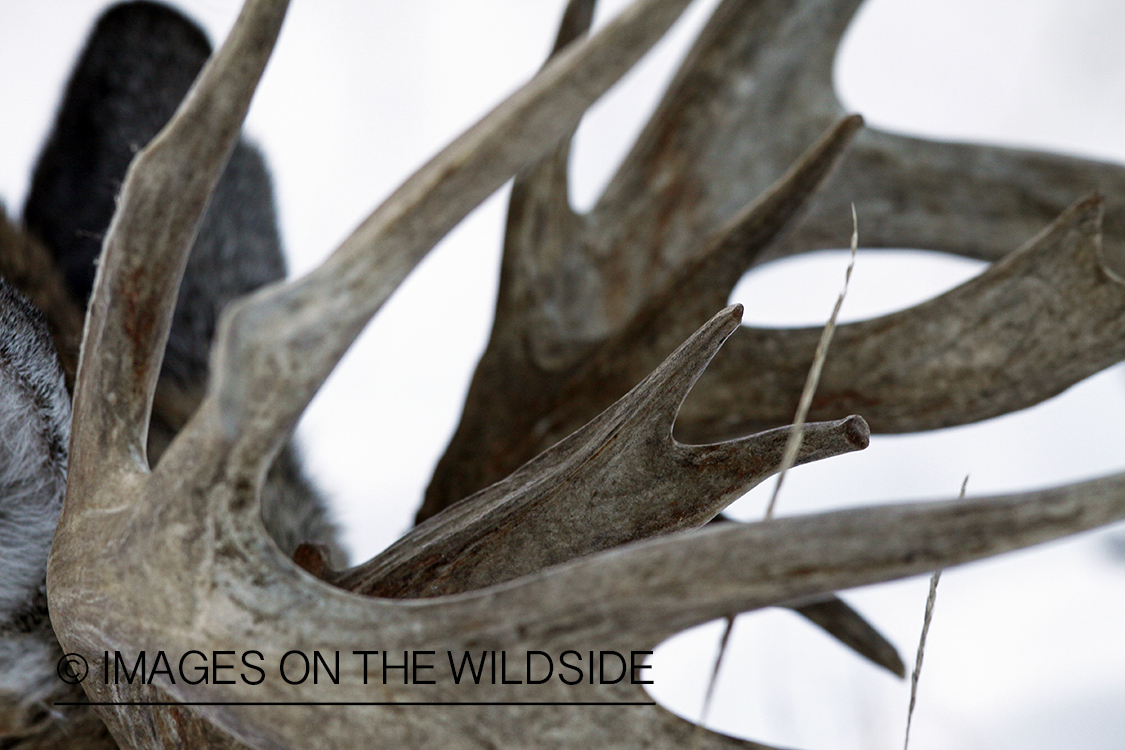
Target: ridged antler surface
754, 92
605, 321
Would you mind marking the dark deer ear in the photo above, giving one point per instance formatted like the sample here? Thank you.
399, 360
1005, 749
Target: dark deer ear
137, 66
138, 63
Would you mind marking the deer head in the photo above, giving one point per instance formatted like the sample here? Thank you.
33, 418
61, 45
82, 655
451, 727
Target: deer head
548, 524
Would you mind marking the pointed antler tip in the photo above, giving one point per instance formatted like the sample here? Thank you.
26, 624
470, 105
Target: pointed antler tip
1088, 213
726, 320
857, 431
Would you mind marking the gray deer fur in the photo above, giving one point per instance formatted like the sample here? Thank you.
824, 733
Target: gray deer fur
139, 62
35, 423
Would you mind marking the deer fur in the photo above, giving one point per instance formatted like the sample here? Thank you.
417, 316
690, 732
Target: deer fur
35, 409
35, 414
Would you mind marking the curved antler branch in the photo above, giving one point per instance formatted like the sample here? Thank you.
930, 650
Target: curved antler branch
162, 201
969, 199
274, 351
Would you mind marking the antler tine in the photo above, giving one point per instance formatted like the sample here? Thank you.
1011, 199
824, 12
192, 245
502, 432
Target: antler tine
162, 201
707, 280
274, 351
736, 246
968, 199
577, 18
1030, 326
542, 227
754, 90
619, 479
835, 616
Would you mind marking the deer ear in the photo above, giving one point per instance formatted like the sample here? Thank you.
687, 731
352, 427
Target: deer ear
138, 65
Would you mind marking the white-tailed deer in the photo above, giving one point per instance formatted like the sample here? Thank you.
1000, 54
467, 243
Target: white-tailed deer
537, 534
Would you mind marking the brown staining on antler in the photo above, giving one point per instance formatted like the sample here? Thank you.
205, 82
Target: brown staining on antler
161, 204
752, 94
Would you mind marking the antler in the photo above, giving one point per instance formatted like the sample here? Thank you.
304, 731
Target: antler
175, 559
754, 91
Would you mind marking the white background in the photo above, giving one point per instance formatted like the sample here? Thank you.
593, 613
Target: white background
1025, 652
